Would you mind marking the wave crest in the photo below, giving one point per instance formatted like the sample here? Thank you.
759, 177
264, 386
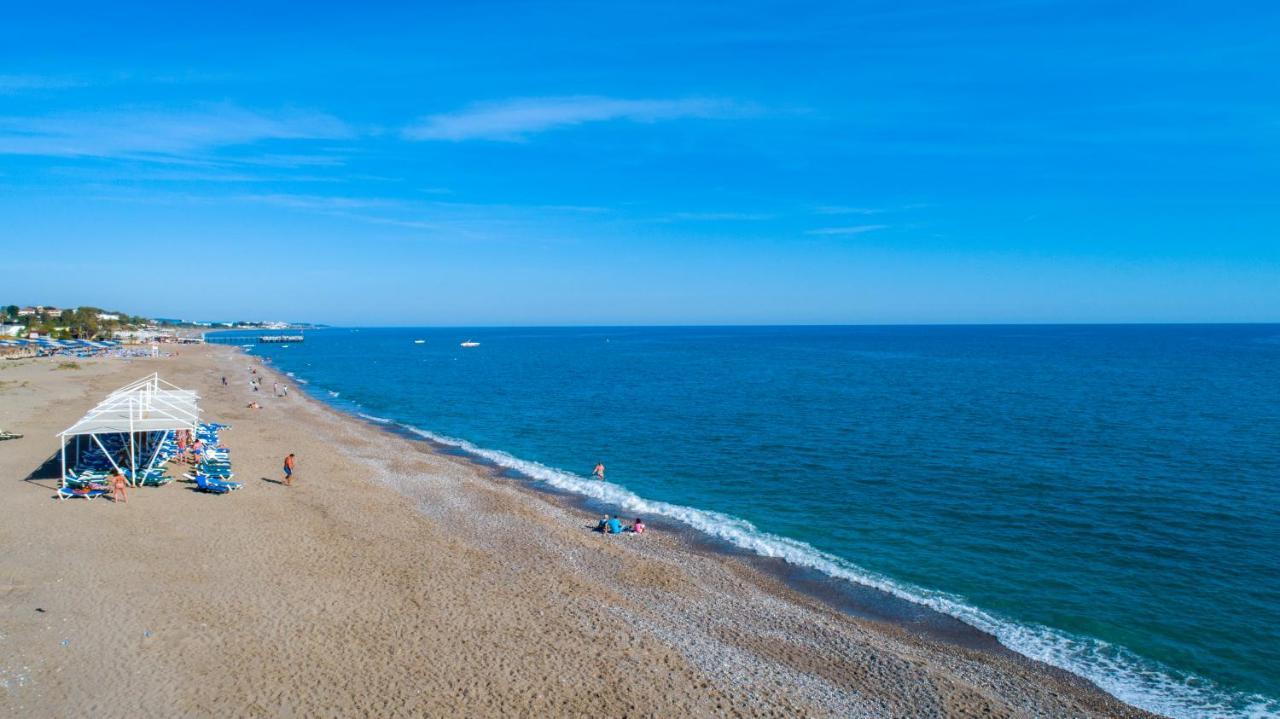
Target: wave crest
1118, 671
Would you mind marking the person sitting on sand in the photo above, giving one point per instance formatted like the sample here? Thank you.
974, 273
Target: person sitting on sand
614, 526
603, 525
254, 405
118, 484
638, 527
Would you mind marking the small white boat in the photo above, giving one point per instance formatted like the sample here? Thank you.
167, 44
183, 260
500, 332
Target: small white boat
470, 343
418, 342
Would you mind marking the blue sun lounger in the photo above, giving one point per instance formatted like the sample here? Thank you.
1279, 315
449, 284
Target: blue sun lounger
73, 492
205, 485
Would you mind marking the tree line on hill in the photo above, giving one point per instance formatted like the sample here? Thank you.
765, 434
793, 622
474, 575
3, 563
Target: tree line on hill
80, 323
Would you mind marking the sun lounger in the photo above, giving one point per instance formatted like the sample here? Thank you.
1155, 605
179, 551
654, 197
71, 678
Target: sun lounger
85, 493
204, 485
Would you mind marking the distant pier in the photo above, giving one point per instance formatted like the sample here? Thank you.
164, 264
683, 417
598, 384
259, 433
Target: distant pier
229, 338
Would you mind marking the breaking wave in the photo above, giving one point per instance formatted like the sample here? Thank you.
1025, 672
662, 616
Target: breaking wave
1117, 670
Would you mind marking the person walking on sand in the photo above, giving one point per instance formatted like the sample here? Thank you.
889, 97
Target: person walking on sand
288, 470
598, 472
117, 487
275, 388
224, 380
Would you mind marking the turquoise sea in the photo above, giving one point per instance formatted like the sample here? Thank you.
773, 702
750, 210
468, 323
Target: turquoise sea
1103, 498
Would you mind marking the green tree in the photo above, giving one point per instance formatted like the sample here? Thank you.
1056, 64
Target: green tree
85, 320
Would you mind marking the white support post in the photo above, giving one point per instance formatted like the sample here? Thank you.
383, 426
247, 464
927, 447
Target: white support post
156, 453
104, 451
63, 439
133, 463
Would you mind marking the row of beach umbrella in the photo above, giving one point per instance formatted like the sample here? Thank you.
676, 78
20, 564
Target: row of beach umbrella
59, 344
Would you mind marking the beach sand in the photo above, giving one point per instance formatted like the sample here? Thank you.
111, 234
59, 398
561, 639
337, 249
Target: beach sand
397, 580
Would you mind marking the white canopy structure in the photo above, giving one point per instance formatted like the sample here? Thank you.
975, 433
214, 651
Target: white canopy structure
140, 409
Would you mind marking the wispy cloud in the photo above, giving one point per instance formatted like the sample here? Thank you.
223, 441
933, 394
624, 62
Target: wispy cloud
159, 134
722, 216
514, 120
845, 210
851, 230
323, 202
460, 220
19, 83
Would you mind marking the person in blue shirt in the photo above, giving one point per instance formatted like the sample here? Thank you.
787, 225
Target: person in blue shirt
614, 526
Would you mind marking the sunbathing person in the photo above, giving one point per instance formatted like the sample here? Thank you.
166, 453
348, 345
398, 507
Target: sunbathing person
614, 526
638, 527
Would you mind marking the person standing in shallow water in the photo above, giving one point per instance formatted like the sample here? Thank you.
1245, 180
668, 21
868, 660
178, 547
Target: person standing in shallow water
288, 470
598, 472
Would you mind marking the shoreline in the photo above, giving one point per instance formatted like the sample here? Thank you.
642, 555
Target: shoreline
858, 600
411, 601
788, 581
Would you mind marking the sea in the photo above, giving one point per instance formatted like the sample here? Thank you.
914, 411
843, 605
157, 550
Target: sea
1102, 498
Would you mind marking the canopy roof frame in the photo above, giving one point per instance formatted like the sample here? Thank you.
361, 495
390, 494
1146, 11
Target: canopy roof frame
150, 404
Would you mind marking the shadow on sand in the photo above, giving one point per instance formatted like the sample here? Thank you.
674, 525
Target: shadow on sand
50, 469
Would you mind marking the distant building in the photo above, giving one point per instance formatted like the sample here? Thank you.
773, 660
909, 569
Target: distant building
10, 330
108, 316
38, 310
144, 335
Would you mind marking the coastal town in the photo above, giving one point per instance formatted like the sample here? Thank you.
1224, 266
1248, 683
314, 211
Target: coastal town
35, 329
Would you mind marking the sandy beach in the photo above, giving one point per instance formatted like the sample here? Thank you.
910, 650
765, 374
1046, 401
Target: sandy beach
397, 580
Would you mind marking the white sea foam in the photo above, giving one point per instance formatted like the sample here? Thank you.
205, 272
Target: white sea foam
1118, 671
372, 418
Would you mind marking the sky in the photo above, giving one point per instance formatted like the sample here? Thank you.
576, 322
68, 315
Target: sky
644, 163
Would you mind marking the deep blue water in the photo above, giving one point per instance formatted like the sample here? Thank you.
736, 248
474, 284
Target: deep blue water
1105, 498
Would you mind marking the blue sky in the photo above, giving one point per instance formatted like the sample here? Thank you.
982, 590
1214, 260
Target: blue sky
600, 163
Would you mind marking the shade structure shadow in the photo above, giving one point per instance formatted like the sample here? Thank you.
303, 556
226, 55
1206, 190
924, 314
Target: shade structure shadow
50, 469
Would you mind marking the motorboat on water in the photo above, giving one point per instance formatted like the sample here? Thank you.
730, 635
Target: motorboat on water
470, 343
418, 342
